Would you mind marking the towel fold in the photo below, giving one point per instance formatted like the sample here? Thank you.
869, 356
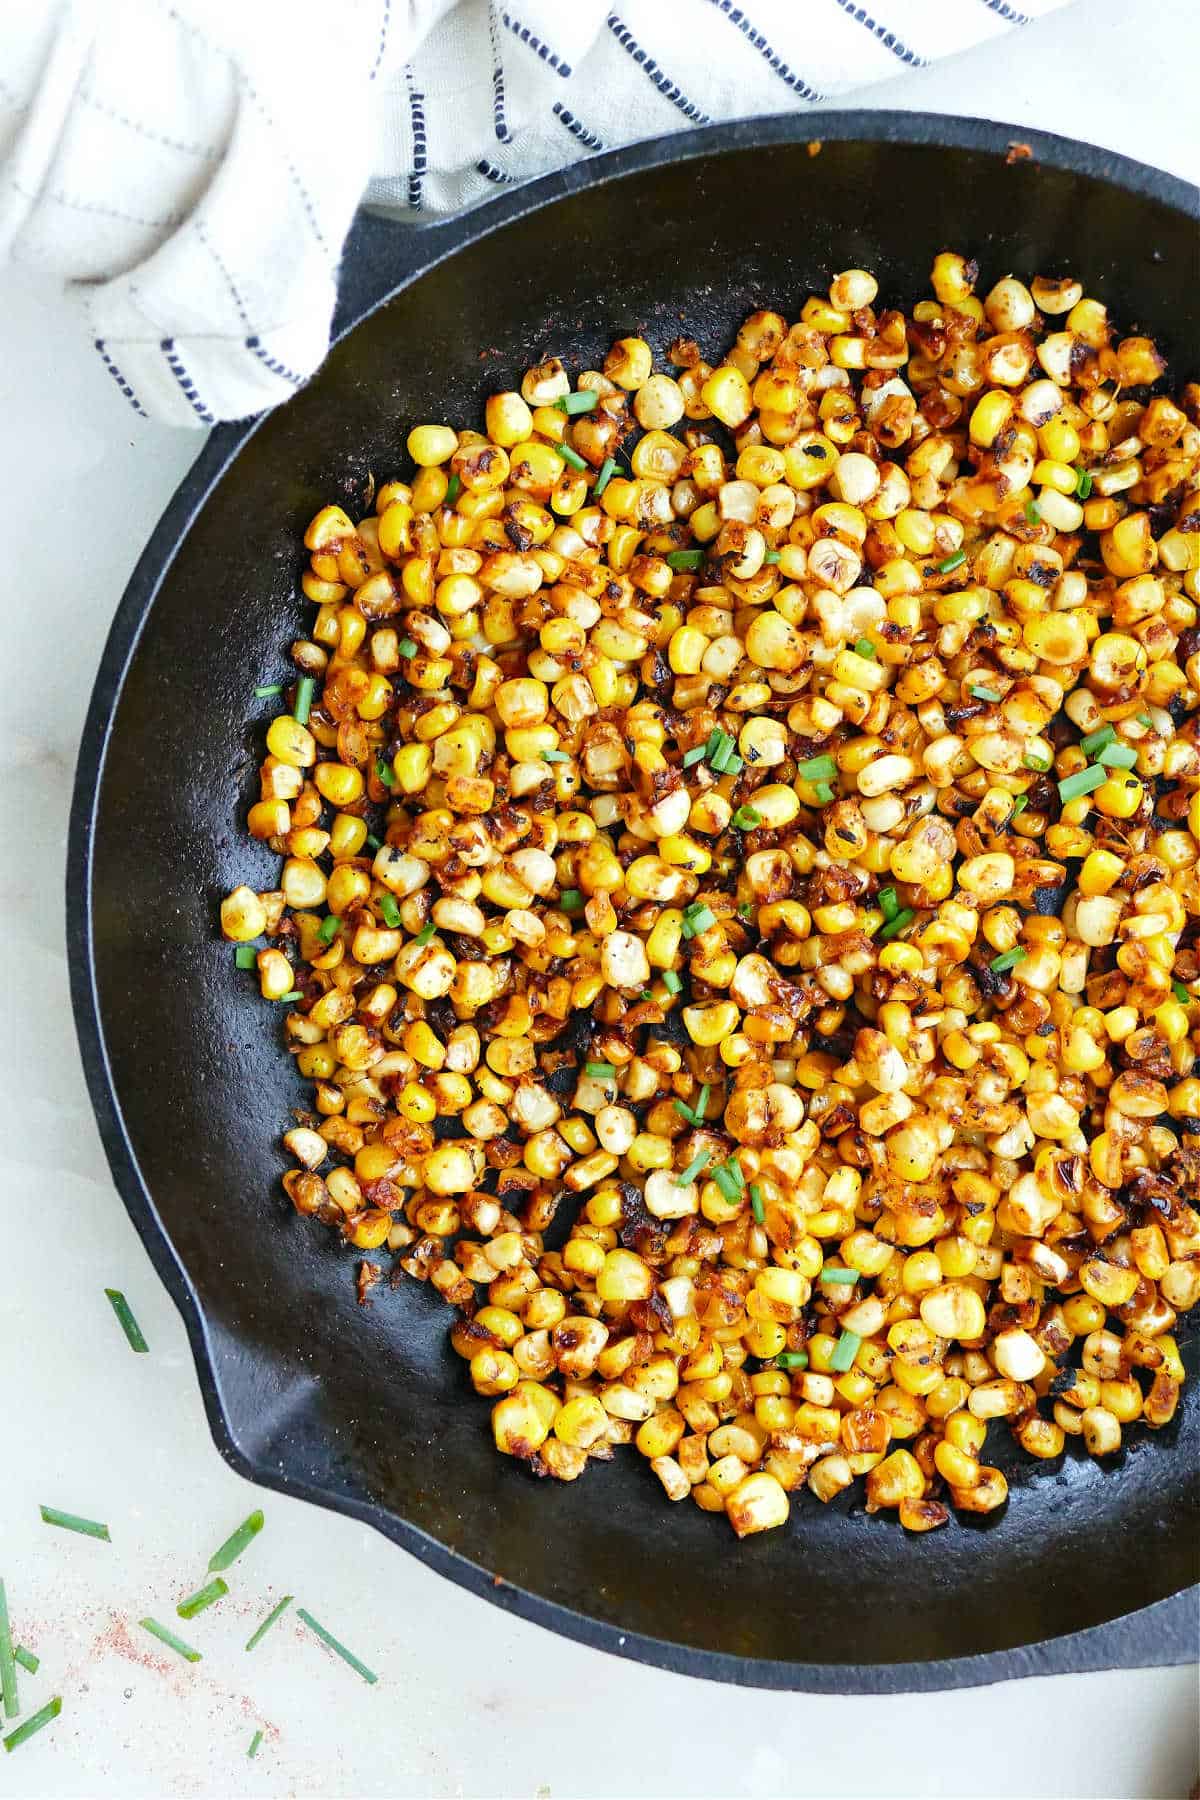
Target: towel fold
191, 169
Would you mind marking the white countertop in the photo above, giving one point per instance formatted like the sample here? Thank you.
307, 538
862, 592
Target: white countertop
470, 1701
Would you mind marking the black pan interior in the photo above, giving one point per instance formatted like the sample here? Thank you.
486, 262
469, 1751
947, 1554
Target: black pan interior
369, 1408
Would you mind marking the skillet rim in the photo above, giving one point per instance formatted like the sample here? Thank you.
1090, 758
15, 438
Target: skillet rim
378, 263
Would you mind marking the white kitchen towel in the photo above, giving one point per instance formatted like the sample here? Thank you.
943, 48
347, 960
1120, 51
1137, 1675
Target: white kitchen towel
190, 169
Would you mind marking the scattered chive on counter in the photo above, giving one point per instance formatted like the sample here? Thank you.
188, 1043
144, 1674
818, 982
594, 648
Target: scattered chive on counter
27, 1659
339, 1649
36, 1722
188, 1652
8, 1667
237, 1541
72, 1522
204, 1597
273, 1617
255, 1741
126, 1320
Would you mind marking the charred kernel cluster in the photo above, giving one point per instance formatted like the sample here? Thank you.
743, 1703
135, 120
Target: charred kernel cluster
756, 808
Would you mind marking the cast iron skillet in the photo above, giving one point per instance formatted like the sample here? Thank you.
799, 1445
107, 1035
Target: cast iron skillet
368, 1411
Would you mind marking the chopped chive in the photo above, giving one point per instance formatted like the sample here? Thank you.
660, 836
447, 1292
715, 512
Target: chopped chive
684, 559
8, 1668
714, 740
718, 762
1019, 805
986, 693
818, 768
272, 1618
1084, 781
728, 1186
269, 692
671, 982
213, 1590
772, 556
34, 1724
556, 756
236, 1542
1000, 965
702, 1100
824, 793
647, 994
1181, 993
1083, 483
72, 1522
900, 923
128, 1323
170, 1640
586, 400
453, 490
569, 456
327, 1637
1146, 720
1097, 740
792, 1359
600, 1071
571, 900
1033, 514
608, 469
385, 772
328, 928
245, 957
305, 689
390, 911
373, 843
693, 756
26, 1658
838, 1276
694, 1168
745, 910
697, 919
889, 902
1117, 756
425, 936
864, 647
756, 1203
747, 817
735, 1169
287, 999
952, 562
733, 765
255, 1741
407, 648
685, 1112
845, 1351
1040, 764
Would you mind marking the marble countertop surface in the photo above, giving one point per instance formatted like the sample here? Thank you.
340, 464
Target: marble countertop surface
470, 1700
